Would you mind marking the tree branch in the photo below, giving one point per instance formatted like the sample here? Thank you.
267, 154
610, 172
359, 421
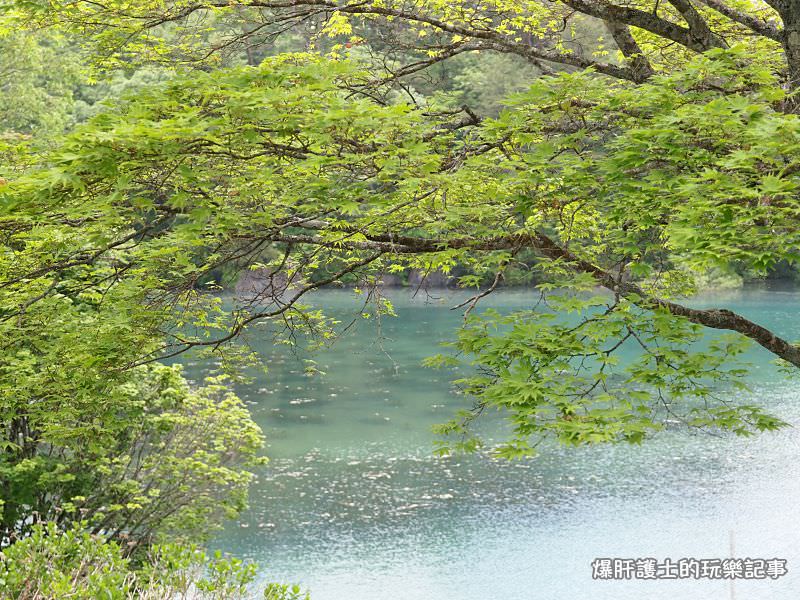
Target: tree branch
698, 27
630, 49
643, 20
755, 24
712, 318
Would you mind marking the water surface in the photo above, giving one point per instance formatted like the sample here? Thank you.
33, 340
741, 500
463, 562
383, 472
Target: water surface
355, 506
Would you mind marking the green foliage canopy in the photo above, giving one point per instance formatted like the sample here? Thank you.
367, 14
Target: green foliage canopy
287, 168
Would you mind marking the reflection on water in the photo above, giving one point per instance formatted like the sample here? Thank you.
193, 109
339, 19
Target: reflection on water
354, 505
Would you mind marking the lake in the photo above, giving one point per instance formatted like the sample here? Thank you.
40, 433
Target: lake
354, 506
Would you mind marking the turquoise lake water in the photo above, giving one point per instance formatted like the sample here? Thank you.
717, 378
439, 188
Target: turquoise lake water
354, 506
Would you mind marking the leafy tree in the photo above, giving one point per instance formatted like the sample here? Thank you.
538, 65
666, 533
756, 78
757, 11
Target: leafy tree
213, 168
132, 451
671, 153
632, 166
650, 36
154, 461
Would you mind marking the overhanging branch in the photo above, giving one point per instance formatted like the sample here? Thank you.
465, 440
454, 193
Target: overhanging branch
718, 318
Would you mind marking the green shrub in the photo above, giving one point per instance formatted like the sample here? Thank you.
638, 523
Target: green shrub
52, 564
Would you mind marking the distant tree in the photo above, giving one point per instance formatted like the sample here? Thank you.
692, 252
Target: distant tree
38, 75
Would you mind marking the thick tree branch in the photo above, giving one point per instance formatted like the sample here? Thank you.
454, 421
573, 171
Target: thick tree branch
630, 49
643, 20
717, 318
765, 28
712, 318
698, 27
790, 13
